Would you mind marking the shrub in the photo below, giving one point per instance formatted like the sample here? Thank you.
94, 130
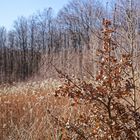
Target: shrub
109, 104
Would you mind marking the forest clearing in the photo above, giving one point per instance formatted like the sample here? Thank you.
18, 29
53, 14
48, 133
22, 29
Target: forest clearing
74, 75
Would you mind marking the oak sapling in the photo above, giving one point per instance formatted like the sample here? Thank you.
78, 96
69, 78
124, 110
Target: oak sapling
108, 116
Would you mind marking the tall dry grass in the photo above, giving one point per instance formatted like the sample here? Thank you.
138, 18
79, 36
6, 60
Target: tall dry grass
23, 110
30, 111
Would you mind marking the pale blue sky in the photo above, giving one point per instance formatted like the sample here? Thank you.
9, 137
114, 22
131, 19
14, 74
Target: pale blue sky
11, 9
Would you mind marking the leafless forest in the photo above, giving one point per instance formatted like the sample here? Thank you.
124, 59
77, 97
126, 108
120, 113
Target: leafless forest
74, 75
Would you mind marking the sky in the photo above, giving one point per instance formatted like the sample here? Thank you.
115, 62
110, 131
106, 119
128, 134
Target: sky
10, 10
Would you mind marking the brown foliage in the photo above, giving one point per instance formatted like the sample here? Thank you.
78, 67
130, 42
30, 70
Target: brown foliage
108, 116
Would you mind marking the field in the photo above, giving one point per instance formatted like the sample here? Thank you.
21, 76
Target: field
29, 111
74, 75
32, 111
23, 110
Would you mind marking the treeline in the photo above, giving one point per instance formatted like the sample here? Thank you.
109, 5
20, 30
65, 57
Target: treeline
68, 41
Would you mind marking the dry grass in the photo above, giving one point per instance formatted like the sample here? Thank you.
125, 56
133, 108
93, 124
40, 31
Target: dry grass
25, 113
23, 110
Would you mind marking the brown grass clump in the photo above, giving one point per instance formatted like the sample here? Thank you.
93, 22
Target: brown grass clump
24, 113
31, 111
